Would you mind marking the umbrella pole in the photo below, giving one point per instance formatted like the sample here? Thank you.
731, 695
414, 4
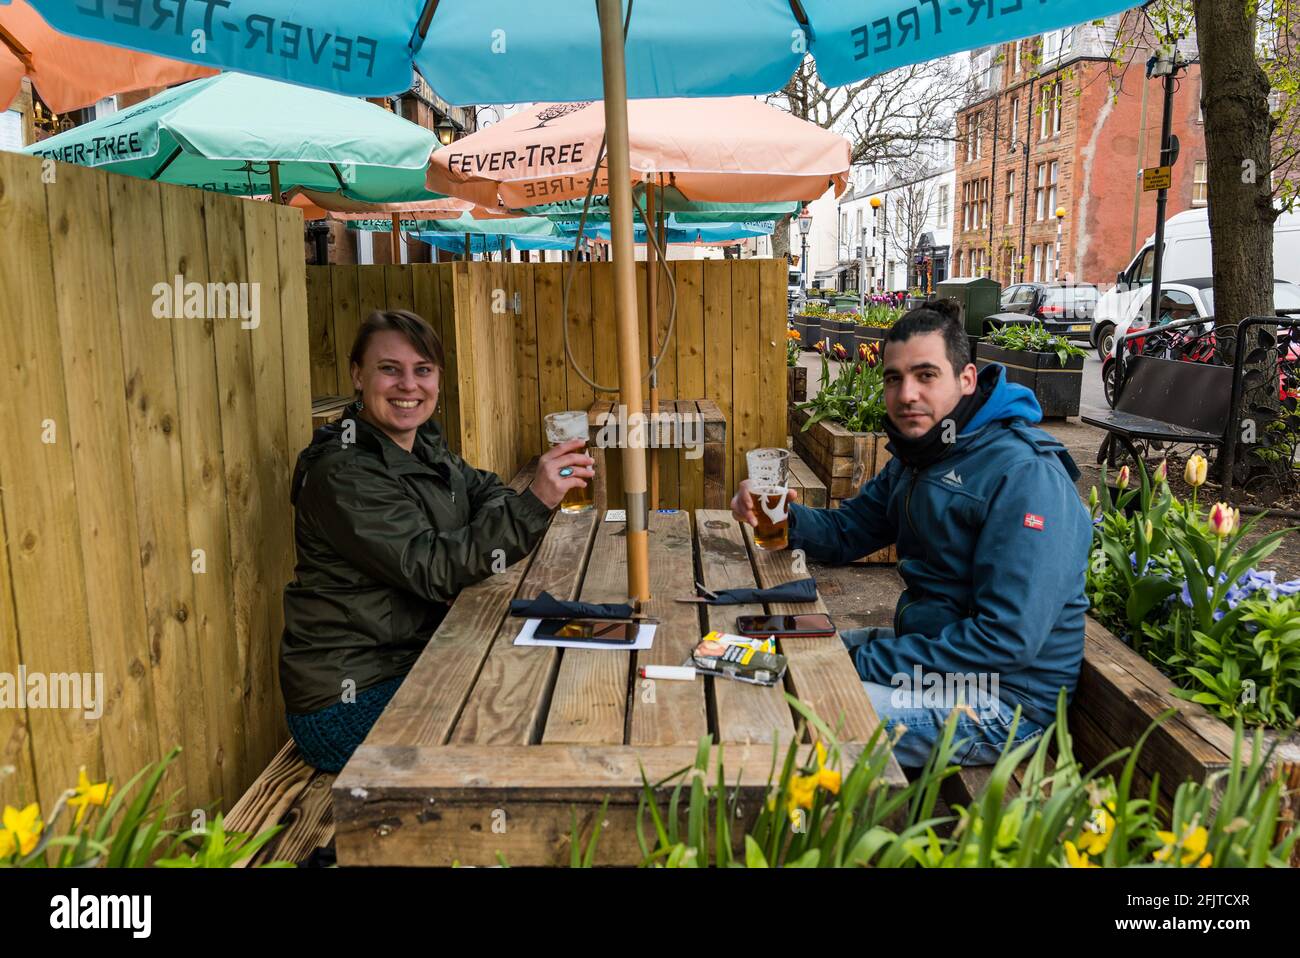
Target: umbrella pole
394, 238
614, 70
652, 344
275, 183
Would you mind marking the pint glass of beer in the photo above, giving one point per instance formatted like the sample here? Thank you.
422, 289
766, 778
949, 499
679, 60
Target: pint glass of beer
769, 471
773, 530
562, 427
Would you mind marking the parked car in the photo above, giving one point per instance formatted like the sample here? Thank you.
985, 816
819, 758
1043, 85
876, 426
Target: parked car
1064, 308
794, 289
1189, 299
1187, 255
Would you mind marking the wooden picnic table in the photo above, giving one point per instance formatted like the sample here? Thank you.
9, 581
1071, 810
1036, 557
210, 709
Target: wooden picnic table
491, 747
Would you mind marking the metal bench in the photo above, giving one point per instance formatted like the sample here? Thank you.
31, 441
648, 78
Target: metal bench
1167, 401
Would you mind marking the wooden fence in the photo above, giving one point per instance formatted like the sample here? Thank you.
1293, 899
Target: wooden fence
507, 366
144, 469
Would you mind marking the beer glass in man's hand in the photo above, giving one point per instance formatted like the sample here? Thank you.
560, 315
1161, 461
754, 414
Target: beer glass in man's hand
762, 499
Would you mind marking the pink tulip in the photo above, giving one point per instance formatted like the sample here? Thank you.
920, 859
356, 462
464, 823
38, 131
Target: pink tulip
1222, 519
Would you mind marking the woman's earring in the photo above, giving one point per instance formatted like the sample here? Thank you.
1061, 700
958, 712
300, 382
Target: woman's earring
360, 405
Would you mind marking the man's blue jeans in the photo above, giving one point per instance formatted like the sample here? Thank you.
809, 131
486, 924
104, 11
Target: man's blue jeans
983, 723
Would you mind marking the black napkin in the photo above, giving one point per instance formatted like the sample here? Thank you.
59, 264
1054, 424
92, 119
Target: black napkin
547, 606
800, 590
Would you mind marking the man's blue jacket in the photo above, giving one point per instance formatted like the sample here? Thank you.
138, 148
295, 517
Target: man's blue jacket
992, 542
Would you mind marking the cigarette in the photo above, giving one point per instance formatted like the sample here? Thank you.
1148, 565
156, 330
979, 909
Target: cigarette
685, 673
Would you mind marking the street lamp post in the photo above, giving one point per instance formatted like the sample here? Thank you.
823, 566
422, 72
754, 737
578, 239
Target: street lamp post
1060, 218
805, 224
875, 221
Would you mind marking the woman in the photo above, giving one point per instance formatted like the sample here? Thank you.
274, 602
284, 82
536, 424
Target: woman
390, 525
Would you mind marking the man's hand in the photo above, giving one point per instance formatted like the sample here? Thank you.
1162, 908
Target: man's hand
548, 485
742, 504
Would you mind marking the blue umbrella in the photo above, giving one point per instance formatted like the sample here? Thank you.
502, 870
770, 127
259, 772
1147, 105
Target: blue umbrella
490, 243
504, 51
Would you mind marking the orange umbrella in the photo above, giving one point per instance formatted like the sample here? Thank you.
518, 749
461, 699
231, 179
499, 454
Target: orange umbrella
70, 73
318, 204
733, 150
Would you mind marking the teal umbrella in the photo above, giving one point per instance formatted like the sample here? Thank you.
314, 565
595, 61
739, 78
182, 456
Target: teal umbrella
465, 224
223, 133
671, 201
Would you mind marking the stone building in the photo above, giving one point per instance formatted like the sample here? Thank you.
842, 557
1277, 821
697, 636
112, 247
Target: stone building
1046, 130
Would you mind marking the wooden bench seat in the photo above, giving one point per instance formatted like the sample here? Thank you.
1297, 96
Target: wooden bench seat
291, 793
812, 491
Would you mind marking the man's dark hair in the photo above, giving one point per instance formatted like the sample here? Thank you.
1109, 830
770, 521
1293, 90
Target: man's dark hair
936, 316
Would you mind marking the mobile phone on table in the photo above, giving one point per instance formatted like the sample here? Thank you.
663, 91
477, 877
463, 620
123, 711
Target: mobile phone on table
804, 623
622, 631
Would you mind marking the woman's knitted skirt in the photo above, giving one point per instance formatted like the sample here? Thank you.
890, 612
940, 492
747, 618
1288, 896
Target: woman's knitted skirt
328, 738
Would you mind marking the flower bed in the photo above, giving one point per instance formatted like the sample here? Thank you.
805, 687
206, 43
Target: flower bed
1180, 585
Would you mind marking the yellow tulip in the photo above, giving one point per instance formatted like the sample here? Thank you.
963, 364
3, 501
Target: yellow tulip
1162, 471
1075, 858
1121, 481
1194, 473
24, 827
1093, 499
88, 794
1148, 530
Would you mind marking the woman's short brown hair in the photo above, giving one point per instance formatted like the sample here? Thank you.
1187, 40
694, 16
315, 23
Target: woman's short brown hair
415, 328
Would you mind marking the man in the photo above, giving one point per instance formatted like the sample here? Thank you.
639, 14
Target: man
992, 540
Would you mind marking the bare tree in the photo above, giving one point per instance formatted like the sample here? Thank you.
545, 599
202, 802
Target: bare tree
887, 118
910, 205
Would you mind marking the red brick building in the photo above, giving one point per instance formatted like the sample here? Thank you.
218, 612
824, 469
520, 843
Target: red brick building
1045, 130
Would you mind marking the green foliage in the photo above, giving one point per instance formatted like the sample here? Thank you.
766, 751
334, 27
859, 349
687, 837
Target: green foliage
816, 816
878, 316
816, 309
1032, 337
1192, 602
855, 398
127, 828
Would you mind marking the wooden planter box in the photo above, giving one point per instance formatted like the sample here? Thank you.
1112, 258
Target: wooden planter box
810, 330
796, 383
1057, 389
842, 460
870, 334
1120, 693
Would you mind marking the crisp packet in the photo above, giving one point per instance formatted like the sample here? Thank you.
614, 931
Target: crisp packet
738, 657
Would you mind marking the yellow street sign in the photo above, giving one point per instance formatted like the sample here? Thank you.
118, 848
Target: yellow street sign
1156, 178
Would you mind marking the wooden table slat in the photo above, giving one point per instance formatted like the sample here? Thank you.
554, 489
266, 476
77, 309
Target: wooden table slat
741, 712
589, 704
669, 712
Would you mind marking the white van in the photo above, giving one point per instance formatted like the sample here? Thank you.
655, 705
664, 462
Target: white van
794, 286
1187, 256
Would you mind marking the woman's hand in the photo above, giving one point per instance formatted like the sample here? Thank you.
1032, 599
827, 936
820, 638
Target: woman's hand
742, 504
548, 485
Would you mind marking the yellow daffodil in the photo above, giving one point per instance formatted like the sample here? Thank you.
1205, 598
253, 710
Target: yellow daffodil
6, 845
1075, 858
1097, 830
1192, 844
1194, 473
800, 795
827, 778
88, 794
23, 828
